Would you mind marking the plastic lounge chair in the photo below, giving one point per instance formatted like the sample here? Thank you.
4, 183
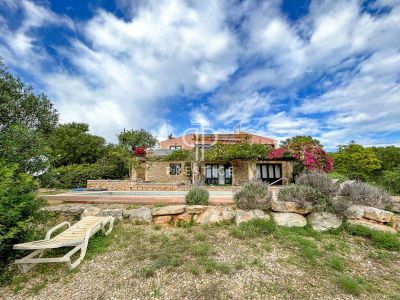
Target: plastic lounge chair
76, 236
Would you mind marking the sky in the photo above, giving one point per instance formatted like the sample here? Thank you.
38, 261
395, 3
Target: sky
329, 69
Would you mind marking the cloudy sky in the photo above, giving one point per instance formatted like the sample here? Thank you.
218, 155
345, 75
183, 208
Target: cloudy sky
330, 69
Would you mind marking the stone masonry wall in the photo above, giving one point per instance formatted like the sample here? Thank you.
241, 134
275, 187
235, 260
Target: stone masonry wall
240, 172
159, 171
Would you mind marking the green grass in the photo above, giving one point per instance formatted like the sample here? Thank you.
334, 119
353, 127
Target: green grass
337, 263
254, 228
382, 240
352, 285
210, 265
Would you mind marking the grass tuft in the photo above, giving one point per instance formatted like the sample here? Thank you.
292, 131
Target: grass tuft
351, 285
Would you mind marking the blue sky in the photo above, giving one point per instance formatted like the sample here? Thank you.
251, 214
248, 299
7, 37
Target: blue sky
330, 69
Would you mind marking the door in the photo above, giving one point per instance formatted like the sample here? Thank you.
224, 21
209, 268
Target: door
218, 174
269, 173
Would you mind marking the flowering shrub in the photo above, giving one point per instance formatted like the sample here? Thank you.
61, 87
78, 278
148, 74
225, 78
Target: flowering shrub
312, 157
139, 151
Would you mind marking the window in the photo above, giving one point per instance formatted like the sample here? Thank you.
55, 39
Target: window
175, 147
175, 169
269, 173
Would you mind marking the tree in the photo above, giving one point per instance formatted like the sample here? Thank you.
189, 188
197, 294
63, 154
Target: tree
26, 122
300, 139
355, 161
19, 105
137, 138
389, 156
72, 144
18, 209
24, 147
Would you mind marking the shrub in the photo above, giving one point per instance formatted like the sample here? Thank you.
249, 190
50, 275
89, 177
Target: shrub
253, 195
391, 180
197, 196
299, 193
320, 181
361, 193
18, 208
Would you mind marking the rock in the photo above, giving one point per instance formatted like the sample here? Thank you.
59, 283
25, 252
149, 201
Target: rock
216, 215
195, 209
90, 211
396, 222
396, 207
247, 215
322, 221
373, 226
182, 218
162, 220
65, 209
116, 213
344, 183
291, 206
168, 210
138, 215
289, 219
377, 214
355, 212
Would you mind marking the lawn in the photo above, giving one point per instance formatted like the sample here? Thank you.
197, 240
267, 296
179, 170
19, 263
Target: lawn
254, 261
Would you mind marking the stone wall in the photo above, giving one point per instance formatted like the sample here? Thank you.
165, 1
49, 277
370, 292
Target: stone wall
132, 185
240, 172
159, 171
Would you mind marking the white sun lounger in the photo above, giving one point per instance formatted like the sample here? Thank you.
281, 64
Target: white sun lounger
76, 236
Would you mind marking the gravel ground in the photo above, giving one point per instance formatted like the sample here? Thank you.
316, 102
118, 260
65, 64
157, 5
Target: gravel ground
209, 263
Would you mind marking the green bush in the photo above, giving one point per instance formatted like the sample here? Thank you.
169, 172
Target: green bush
18, 208
253, 195
197, 196
322, 182
114, 165
391, 181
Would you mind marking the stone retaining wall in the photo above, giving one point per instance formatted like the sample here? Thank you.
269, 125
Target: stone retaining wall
133, 185
288, 214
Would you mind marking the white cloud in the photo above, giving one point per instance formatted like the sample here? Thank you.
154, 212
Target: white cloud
125, 72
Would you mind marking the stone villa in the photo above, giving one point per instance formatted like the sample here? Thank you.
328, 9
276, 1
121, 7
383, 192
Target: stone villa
153, 169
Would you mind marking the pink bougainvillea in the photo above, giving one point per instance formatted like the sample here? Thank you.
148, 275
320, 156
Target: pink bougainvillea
139, 151
312, 157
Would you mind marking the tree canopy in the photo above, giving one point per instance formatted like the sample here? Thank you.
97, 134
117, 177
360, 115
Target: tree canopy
137, 138
299, 139
72, 143
19, 105
355, 161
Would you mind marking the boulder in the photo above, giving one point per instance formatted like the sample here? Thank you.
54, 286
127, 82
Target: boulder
142, 214
247, 215
344, 183
355, 212
322, 221
195, 209
377, 214
289, 219
116, 213
396, 222
182, 218
291, 206
216, 215
90, 211
373, 226
164, 221
168, 210
396, 207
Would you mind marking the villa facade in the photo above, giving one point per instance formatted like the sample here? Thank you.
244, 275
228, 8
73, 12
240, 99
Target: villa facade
233, 172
